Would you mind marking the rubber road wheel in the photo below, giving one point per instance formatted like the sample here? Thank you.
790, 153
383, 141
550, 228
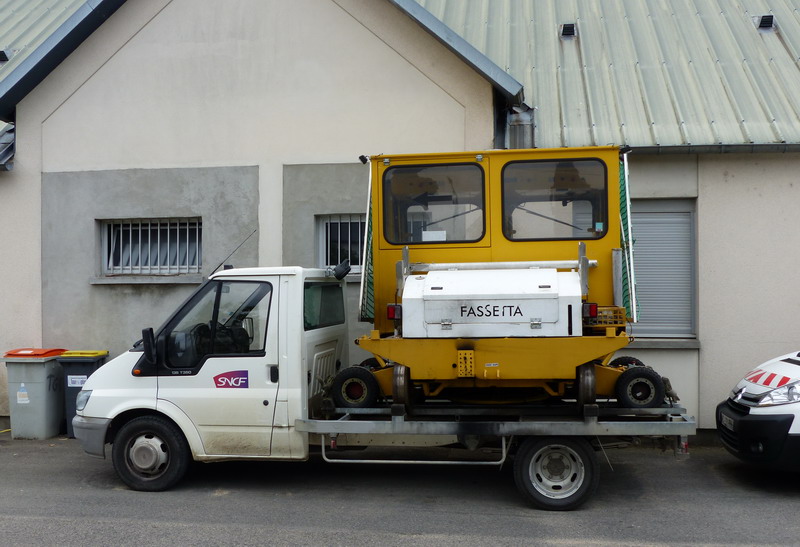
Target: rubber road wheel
625, 361
640, 387
556, 473
150, 454
355, 387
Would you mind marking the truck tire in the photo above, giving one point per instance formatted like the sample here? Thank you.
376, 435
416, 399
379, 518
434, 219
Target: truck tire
640, 387
150, 454
355, 387
556, 473
625, 361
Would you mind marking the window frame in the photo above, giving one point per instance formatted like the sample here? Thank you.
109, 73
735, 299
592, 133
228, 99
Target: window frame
214, 289
323, 243
136, 229
385, 201
605, 212
687, 208
307, 326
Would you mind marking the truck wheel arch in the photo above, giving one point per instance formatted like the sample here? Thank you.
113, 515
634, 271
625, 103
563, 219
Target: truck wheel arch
173, 414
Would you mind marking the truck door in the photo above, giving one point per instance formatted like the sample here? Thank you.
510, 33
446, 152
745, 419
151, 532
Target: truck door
218, 362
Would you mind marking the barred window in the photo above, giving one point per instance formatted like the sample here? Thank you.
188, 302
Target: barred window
341, 237
152, 246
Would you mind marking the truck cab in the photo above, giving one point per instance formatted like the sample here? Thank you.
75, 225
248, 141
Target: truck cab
232, 369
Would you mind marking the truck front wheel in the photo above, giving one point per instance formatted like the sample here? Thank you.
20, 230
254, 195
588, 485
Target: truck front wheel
150, 454
556, 473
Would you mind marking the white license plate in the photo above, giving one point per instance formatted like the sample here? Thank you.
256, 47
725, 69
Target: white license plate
727, 421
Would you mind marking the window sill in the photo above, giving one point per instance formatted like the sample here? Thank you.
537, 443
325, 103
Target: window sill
191, 279
665, 343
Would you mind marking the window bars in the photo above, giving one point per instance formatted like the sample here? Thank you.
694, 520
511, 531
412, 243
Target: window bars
341, 237
152, 246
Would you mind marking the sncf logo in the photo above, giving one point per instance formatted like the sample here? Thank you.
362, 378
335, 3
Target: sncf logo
234, 378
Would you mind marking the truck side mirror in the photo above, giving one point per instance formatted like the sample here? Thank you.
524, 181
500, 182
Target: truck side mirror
149, 345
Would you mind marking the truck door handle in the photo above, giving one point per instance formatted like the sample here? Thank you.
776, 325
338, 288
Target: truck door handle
273, 374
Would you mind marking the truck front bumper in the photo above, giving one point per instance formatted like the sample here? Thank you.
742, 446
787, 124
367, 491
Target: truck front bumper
758, 438
91, 432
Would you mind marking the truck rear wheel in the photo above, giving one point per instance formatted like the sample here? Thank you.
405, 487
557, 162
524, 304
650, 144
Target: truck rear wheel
355, 387
150, 454
556, 473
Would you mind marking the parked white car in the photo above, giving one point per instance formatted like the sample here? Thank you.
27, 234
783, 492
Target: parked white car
759, 422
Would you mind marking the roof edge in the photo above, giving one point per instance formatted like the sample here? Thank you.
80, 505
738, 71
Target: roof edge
510, 88
761, 148
56, 48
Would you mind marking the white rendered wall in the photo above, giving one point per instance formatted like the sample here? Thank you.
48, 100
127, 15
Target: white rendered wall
200, 83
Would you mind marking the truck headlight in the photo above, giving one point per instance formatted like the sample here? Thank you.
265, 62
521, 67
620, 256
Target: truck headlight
790, 393
82, 399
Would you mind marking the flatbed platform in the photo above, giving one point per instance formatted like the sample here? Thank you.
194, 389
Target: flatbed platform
595, 420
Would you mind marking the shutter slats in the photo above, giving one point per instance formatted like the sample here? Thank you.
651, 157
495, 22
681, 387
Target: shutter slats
664, 261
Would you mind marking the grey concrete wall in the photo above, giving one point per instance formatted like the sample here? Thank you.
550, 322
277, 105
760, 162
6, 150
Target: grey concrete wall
83, 310
323, 189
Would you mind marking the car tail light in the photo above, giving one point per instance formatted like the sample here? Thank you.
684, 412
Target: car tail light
590, 310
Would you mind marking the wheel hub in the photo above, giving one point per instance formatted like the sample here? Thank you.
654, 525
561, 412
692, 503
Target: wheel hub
642, 391
354, 390
557, 472
554, 467
148, 454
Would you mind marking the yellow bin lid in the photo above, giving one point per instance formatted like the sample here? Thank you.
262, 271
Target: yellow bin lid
84, 353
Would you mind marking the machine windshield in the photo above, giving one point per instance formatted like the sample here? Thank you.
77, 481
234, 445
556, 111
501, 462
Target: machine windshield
555, 200
433, 203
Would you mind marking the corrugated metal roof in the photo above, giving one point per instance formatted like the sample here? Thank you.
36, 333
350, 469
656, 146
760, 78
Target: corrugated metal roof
644, 73
37, 35
26, 24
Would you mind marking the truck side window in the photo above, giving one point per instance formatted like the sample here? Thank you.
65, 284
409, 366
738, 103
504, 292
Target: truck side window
555, 200
323, 305
223, 318
433, 203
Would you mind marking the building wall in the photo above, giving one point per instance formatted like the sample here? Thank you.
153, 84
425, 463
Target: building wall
307, 191
749, 267
747, 294
167, 84
84, 309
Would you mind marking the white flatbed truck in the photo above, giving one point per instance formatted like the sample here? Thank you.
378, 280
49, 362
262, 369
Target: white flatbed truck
243, 369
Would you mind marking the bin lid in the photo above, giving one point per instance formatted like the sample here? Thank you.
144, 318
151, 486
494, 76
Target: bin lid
84, 353
35, 353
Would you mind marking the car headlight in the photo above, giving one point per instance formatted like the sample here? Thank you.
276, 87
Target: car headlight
82, 399
790, 393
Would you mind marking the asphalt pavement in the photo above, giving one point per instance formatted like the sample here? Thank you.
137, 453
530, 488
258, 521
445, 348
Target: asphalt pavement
51, 493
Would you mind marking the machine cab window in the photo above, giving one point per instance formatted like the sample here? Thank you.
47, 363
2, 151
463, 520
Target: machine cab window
433, 203
546, 200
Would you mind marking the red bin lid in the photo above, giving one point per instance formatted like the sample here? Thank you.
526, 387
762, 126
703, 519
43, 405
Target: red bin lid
37, 353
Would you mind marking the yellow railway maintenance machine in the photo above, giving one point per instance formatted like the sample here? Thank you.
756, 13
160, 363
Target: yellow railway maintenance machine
501, 276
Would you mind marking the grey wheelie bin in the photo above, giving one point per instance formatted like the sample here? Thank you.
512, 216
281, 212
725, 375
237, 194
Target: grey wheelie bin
35, 392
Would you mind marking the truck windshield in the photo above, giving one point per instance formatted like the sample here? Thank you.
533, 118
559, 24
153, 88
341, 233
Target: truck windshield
555, 200
433, 203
